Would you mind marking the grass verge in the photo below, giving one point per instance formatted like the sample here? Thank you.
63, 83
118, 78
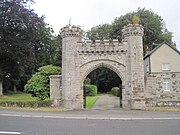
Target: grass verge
19, 96
21, 100
90, 101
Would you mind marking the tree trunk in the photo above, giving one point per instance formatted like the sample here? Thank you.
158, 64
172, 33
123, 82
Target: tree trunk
1, 88
14, 88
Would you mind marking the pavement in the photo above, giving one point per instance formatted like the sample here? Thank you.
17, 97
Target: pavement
106, 108
115, 114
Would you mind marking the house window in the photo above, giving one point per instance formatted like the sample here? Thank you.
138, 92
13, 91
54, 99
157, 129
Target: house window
166, 84
165, 66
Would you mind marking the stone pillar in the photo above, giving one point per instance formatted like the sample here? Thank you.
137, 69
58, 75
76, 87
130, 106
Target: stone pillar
1, 87
135, 66
71, 93
55, 90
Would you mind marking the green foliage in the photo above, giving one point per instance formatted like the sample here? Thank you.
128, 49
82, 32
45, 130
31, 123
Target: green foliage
18, 29
33, 104
135, 19
87, 81
38, 85
20, 99
26, 43
155, 30
48, 47
104, 79
16, 97
115, 91
90, 90
100, 32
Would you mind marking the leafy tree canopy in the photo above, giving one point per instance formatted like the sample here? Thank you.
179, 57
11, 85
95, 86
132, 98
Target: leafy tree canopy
26, 43
155, 30
19, 27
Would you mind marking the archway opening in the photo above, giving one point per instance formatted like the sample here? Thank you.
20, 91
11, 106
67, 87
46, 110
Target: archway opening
105, 80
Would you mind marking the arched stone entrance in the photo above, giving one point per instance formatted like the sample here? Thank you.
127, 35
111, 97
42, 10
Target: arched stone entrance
87, 68
80, 58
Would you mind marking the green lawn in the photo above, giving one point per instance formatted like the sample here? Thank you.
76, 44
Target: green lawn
20, 99
24, 97
16, 97
90, 101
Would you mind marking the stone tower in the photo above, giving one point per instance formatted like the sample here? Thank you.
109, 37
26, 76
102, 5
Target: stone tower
132, 35
71, 96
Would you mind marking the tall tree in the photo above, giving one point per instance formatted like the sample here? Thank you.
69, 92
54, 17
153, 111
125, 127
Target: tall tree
100, 32
155, 30
47, 48
19, 27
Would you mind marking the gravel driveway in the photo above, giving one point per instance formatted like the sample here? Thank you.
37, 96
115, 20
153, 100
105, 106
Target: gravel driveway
106, 102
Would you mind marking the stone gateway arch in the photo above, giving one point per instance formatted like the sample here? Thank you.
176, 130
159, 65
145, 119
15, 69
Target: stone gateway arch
79, 58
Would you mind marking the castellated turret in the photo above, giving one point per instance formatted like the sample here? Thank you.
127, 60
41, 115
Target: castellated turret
70, 69
69, 31
132, 30
133, 35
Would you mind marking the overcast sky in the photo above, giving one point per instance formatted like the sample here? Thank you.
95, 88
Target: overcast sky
89, 13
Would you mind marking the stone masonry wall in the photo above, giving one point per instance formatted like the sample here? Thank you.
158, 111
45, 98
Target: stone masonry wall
154, 94
56, 90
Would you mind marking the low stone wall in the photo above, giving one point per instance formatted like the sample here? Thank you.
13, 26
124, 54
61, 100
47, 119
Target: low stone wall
168, 103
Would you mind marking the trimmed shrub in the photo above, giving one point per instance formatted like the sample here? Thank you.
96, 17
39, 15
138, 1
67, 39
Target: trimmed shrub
34, 104
38, 85
90, 90
115, 91
87, 81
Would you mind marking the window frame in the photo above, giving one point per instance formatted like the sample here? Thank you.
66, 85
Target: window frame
166, 84
166, 66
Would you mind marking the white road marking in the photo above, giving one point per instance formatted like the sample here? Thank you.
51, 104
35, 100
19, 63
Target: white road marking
11, 133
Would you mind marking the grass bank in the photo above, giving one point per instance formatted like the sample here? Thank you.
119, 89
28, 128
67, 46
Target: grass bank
25, 100
20, 99
90, 101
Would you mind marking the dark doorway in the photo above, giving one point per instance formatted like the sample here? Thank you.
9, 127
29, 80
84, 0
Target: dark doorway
105, 79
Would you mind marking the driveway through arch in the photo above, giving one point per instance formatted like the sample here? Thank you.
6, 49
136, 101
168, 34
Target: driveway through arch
116, 67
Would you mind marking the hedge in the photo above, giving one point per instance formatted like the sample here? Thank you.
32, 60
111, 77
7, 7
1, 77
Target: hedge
45, 103
90, 90
115, 91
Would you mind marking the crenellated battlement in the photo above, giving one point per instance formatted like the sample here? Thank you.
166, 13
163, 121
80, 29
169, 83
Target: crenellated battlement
69, 31
105, 46
132, 30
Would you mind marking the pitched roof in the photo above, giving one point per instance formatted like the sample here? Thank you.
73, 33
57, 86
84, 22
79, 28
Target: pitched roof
158, 46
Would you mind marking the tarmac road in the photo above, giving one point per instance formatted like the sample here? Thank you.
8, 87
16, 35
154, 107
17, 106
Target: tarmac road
93, 122
51, 126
